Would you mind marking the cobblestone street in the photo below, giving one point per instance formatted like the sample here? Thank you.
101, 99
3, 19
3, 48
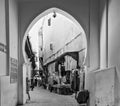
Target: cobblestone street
41, 97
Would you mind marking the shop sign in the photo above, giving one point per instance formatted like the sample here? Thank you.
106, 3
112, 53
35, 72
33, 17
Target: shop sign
13, 70
2, 47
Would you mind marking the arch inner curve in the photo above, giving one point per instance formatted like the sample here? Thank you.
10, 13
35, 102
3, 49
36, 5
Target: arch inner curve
80, 38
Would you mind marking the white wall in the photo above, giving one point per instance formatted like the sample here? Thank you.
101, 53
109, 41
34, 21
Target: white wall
8, 90
94, 47
62, 31
103, 34
114, 41
3, 70
103, 87
114, 33
13, 47
13, 53
2, 22
92, 83
104, 91
13, 28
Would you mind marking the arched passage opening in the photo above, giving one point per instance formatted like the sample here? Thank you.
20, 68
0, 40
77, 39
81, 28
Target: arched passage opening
68, 48
44, 14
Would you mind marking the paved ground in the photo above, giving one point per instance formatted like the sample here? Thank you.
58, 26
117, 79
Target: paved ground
41, 97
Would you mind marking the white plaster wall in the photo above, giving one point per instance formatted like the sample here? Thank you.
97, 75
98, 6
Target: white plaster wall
117, 88
13, 28
8, 92
114, 33
2, 22
94, 47
3, 69
60, 33
2, 38
105, 87
90, 85
13, 48
103, 39
114, 41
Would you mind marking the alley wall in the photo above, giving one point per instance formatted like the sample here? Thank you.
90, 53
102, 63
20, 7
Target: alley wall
3, 54
8, 52
114, 41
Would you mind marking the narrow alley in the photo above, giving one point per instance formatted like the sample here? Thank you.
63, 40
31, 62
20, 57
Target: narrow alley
42, 97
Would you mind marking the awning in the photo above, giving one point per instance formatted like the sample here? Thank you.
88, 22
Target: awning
28, 48
73, 54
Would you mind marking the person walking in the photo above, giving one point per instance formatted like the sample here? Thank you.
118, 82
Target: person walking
32, 84
28, 87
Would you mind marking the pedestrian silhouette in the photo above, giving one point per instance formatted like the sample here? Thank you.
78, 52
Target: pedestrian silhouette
27, 87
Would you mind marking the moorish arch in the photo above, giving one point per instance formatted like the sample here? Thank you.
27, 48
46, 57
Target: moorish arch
85, 19
21, 77
46, 12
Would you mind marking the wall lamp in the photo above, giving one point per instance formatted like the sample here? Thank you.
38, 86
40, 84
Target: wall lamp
54, 14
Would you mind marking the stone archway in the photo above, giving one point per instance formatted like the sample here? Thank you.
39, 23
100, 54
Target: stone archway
42, 15
30, 26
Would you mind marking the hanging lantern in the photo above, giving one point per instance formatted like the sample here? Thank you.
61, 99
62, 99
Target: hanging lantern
54, 14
